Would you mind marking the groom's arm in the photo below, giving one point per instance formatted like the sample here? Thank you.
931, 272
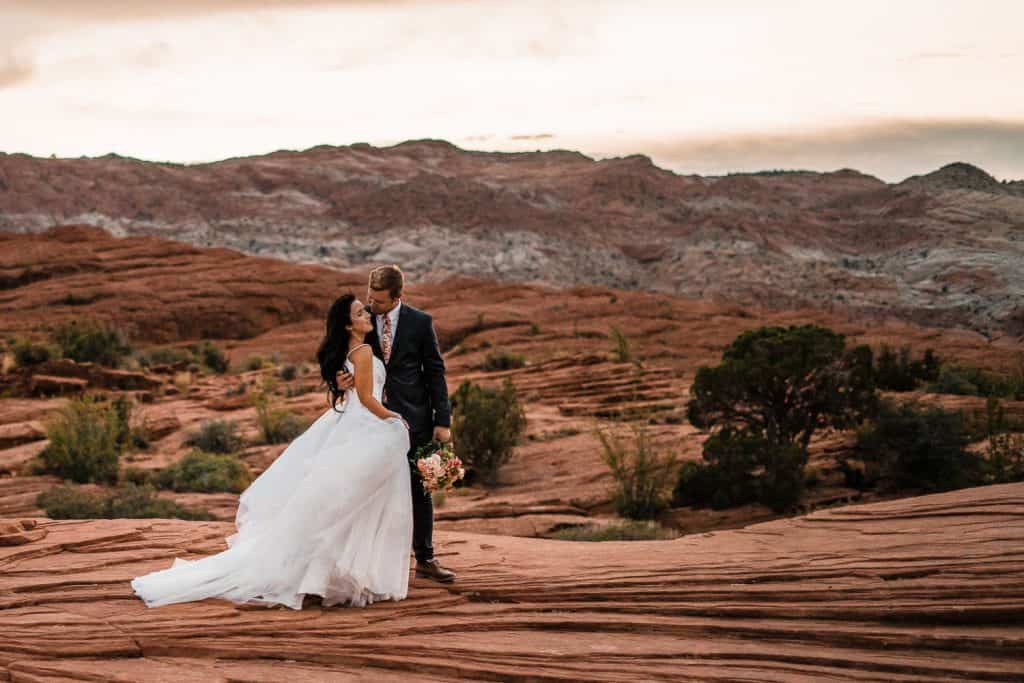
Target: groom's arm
433, 370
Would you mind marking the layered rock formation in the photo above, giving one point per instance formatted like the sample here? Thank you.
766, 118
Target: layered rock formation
922, 589
941, 248
164, 291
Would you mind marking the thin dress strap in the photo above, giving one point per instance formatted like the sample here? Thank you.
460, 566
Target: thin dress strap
349, 354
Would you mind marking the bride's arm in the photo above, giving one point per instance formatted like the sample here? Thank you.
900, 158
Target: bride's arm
362, 359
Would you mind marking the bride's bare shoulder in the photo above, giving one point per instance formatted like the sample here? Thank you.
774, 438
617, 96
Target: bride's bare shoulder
361, 353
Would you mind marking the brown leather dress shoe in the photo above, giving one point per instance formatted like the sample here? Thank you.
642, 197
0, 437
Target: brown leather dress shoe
432, 570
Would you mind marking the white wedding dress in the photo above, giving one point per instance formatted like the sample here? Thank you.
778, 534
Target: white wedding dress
332, 516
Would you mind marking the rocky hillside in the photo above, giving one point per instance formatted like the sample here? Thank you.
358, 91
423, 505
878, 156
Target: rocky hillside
167, 292
942, 249
921, 589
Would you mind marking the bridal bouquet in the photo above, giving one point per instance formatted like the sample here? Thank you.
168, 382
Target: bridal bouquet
438, 466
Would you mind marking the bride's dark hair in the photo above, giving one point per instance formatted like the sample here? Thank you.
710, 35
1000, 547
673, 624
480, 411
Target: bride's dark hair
334, 348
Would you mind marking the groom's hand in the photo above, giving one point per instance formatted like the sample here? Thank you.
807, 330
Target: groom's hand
345, 380
442, 434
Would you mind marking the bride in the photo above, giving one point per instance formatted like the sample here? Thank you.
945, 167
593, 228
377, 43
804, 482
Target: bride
332, 516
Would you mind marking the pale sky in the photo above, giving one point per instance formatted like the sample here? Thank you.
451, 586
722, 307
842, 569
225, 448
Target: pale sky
889, 87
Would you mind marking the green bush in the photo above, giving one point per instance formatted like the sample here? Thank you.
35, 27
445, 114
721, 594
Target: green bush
909, 448
205, 473
216, 436
125, 502
85, 441
137, 476
71, 502
132, 433
630, 530
899, 372
276, 425
91, 341
725, 479
774, 388
213, 357
503, 360
164, 355
967, 380
486, 424
254, 362
27, 353
279, 426
288, 372
1004, 460
641, 474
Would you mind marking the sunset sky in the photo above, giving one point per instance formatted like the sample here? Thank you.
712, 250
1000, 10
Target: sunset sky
701, 86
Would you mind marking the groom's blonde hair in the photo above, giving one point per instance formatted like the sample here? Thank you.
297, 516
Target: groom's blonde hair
388, 277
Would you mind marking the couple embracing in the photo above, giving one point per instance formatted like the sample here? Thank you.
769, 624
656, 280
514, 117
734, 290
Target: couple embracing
333, 516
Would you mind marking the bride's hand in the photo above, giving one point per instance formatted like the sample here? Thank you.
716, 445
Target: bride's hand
394, 415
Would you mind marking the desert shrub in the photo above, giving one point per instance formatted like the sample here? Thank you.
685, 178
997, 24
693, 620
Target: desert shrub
642, 474
216, 436
254, 362
288, 372
91, 341
238, 389
205, 473
774, 388
28, 353
727, 476
629, 530
968, 380
129, 501
534, 330
910, 448
503, 360
486, 424
1004, 461
1004, 455
137, 475
620, 352
212, 356
163, 355
71, 502
182, 380
897, 371
132, 432
85, 441
277, 425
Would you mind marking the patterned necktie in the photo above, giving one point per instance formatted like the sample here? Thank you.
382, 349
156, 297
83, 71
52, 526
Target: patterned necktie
385, 338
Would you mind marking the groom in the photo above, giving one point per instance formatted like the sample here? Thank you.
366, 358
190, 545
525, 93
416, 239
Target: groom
404, 338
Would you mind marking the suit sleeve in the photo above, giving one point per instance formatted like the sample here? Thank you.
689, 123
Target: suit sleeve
433, 370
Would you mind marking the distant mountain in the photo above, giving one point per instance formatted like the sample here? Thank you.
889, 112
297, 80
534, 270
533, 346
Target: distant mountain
961, 176
945, 248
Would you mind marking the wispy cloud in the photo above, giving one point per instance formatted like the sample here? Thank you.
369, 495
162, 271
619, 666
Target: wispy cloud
14, 70
129, 10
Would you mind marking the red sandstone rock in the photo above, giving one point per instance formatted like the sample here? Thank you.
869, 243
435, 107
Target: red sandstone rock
925, 588
51, 385
17, 433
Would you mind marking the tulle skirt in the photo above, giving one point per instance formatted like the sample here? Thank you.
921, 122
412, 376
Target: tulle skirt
332, 516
